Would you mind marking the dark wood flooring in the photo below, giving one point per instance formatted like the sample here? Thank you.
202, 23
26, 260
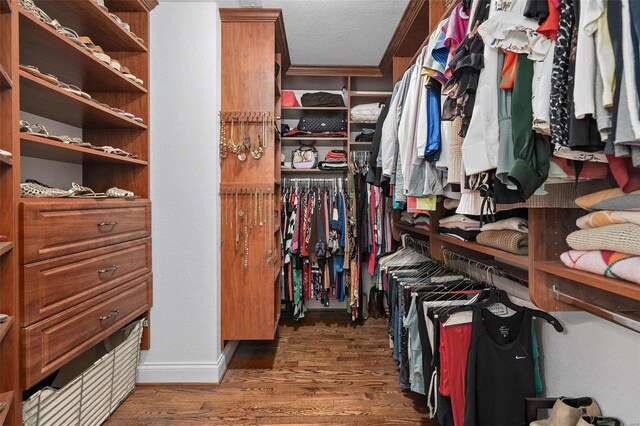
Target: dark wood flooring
324, 371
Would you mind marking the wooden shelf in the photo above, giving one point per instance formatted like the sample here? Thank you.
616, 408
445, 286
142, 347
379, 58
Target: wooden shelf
360, 123
5, 326
412, 229
87, 18
612, 285
5, 80
5, 6
498, 254
53, 53
312, 139
315, 141
39, 147
298, 171
8, 161
7, 398
368, 94
128, 5
360, 143
5, 247
314, 108
42, 98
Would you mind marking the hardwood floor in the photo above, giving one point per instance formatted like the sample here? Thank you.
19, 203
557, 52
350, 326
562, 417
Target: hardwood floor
324, 371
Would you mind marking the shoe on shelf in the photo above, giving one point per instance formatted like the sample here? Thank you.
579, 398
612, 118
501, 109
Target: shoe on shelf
568, 411
5, 154
31, 189
120, 193
34, 71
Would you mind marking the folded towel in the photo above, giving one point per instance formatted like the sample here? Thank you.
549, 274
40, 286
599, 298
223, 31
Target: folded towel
459, 218
607, 217
513, 224
623, 238
610, 199
607, 263
508, 240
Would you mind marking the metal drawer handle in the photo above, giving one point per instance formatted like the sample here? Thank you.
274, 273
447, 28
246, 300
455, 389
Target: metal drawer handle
112, 269
112, 223
114, 313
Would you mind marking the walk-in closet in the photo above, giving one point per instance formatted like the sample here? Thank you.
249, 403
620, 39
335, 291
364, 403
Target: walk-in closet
320, 212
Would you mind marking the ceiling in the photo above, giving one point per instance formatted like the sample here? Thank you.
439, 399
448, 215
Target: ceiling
335, 32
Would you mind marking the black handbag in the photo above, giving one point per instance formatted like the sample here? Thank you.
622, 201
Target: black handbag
322, 124
322, 99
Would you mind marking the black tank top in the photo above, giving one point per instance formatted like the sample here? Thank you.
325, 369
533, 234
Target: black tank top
500, 369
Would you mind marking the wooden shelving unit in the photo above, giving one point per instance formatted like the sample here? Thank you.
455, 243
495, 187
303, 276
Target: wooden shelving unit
315, 109
44, 99
26, 40
249, 83
495, 253
9, 175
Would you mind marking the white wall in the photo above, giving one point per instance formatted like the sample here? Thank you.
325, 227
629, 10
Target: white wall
185, 174
593, 358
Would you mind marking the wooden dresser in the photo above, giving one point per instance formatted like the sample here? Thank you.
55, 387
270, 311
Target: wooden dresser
73, 270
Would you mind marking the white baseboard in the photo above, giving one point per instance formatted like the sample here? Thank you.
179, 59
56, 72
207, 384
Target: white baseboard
187, 372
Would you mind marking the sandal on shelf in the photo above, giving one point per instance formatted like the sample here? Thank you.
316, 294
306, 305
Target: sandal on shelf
67, 32
33, 129
125, 113
31, 7
74, 89
6, 154
75, 141
120, 22
31, 189
101, 5
34, 71
3, 238
116, 65
117, 151
79, 191
120, 193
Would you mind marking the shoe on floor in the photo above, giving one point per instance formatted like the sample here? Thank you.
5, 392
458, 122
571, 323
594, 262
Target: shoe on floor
569, 411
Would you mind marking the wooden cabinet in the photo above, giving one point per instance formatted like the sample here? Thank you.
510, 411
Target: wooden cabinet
67, 262
253, 41
51, 343
52, 229
54, 285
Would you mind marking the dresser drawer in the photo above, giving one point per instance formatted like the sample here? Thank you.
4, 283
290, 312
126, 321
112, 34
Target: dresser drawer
53, 342
53, 285
57, 228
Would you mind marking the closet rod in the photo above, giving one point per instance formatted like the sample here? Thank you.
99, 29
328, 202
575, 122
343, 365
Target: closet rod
614, 317
416, 244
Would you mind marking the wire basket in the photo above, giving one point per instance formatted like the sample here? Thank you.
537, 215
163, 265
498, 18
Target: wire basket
92, 397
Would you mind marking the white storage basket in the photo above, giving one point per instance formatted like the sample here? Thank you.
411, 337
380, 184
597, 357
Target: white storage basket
90, 398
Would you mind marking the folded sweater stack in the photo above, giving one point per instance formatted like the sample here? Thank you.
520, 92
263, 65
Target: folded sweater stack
510, 235
460, 227
608, 242
420, 221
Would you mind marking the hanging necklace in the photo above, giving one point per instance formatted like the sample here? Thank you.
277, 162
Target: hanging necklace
241, 147
238, 214
257, 153
224, 149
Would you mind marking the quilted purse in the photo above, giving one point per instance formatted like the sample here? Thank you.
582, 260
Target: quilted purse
305, 157
322, 124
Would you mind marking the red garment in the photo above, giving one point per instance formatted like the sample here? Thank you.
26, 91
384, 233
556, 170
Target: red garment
454, 348
627, 176
509, 70
590, 170
549, 27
